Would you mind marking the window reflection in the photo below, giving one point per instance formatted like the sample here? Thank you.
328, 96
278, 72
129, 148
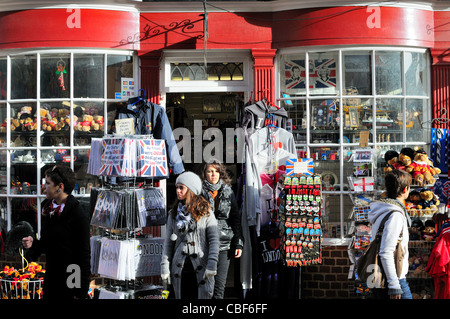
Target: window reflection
55, 76
88, 76
23, 77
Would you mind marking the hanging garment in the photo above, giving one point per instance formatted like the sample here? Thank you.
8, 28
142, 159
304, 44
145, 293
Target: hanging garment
438, 265
151, 118
255, 115
267, 149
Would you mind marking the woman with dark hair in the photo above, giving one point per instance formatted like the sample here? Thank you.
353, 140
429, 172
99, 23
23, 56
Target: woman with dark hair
217, 190
397, 183
65, 238
191, 248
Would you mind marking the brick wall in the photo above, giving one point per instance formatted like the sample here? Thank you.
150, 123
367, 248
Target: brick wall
330, 279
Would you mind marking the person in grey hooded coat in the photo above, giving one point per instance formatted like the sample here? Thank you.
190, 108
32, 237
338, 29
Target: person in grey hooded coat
191, 247
397, 183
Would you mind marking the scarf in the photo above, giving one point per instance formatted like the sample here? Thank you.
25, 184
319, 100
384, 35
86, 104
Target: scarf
212, 187
183, 218
52, 209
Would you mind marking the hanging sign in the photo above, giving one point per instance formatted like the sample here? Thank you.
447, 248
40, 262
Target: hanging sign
152, 158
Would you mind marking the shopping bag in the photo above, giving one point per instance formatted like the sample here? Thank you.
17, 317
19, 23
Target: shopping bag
369, 268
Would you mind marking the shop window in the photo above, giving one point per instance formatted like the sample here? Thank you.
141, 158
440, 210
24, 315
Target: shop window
382, 104
388, 73
23, 77
356, 67
89, 76
416, 74
55, 76
55, 125
119, 69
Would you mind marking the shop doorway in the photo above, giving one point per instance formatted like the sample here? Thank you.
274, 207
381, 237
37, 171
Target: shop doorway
220, 110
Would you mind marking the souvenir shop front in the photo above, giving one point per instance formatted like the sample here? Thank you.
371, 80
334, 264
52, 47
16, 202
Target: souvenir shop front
300, 106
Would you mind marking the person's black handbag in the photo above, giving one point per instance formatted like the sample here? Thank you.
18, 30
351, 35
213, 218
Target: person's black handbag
369, 268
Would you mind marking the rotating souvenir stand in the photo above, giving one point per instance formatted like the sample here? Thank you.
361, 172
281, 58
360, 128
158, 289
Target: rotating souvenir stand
301, 220
362, 192
121, 211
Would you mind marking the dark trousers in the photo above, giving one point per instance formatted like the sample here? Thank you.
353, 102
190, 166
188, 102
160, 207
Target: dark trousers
189, 285
222, 273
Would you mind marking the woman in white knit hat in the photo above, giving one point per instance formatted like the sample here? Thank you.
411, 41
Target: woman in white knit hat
191, 248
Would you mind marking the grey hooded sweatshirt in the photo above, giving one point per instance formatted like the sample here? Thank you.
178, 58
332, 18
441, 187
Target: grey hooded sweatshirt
394, 225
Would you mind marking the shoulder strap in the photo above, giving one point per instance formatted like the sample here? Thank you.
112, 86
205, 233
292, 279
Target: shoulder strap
383, 221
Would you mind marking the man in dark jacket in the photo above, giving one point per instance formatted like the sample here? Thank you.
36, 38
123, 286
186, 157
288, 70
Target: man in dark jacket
65, 239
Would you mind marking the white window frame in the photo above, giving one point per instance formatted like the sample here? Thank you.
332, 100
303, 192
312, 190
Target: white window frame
374, 96
199, 56
12, 53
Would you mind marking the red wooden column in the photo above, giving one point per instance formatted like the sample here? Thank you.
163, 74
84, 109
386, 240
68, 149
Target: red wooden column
264, 74
150, 71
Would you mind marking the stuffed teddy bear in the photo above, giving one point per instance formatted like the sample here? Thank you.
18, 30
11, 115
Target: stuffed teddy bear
415, 231
420, 169
428, 202
392, 161
429, 232
406, 156
86, 121
412, 202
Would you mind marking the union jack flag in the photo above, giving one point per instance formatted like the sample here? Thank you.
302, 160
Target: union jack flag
308, 167
322, 74
116, 157
152, 158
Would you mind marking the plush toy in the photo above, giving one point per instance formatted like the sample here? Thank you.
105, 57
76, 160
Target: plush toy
406, 156
412, 202
428, 201
86, 121
392, 161
429, 231
415, 231
420, 169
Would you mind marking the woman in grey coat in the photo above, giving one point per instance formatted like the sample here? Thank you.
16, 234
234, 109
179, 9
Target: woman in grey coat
191, 248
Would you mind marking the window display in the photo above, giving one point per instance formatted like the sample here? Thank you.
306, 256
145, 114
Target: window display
374, 106
55, 121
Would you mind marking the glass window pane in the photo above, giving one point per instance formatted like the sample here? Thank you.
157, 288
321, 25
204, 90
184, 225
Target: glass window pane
389, 129
357, 72
23, 172
85, 181
118, 68
388, 73
323, 73
88, 76
417, 122
55, 123
112, 113
358, 117
292, 74
23, 124
90, 122
23, 77
324, 127
416, 73
55, 76
3, 79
